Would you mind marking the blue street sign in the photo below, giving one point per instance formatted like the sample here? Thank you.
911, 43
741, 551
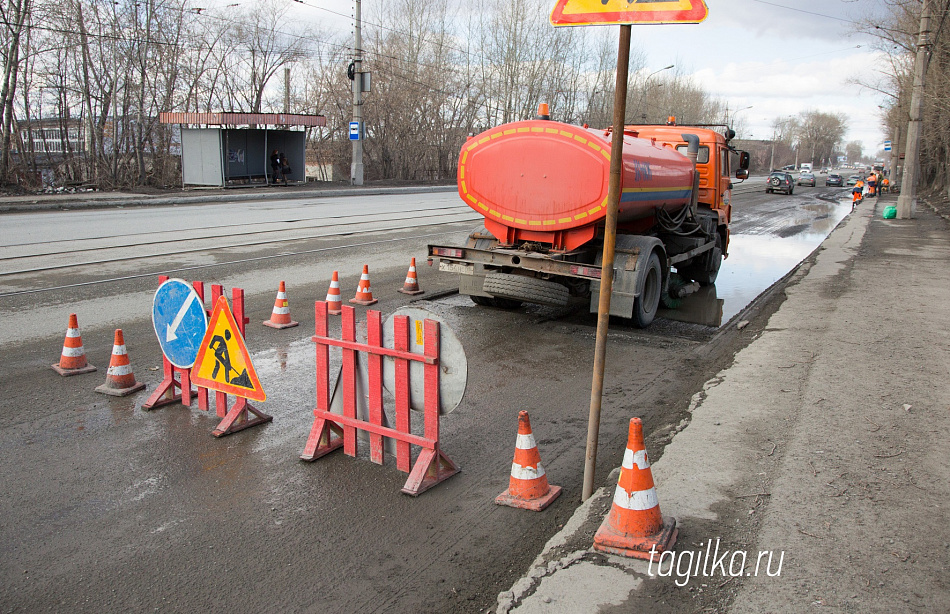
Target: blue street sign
354, 131
180, 322
887, 145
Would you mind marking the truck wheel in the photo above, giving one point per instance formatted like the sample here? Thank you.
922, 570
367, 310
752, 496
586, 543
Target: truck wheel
529, 289
706, 270
484, 301
506, 303
645, 305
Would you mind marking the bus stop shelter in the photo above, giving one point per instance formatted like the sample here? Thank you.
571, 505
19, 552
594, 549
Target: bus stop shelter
234, 149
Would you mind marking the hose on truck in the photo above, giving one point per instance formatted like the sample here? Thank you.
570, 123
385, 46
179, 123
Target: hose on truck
682, 224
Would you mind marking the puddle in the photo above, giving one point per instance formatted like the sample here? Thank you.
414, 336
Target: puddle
756, 261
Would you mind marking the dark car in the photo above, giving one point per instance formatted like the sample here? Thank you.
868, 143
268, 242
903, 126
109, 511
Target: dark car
780, 181
806, 179
834, 180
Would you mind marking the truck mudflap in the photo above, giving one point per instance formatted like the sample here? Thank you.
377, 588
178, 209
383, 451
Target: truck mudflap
631, 258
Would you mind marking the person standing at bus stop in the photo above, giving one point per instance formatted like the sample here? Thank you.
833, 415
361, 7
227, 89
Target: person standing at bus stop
277, 167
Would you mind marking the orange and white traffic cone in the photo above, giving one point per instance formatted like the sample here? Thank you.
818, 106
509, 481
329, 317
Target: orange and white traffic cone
72, 361
635, 526
334, 300
528, 487
120, 381
364, 293
280, 316
412, 281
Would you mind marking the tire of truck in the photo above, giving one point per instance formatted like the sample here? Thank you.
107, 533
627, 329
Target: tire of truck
706, 270
645, 305
484, 301
529, 289
506, 303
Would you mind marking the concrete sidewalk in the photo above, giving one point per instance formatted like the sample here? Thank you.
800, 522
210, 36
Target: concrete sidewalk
825, 444
41, 202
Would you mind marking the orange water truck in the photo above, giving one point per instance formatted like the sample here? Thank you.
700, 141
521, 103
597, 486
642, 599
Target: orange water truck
541, 186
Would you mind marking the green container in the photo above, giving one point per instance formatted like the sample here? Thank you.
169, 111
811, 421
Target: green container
890, 212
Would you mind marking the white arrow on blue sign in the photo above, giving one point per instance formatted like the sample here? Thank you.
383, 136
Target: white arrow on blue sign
180, 322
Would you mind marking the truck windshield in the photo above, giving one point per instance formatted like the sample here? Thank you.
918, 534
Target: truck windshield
703, 157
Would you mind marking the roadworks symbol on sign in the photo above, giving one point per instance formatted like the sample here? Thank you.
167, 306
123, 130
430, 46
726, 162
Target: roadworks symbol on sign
223, 362
607, 12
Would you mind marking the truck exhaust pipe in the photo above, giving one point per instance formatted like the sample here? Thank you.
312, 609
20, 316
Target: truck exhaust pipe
692, 152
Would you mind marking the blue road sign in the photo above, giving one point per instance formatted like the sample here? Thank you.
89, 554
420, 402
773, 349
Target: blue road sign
354, 131
887, 145
180, 321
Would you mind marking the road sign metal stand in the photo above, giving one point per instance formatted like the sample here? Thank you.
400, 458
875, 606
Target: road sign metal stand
331, 430
165, 393
237, 418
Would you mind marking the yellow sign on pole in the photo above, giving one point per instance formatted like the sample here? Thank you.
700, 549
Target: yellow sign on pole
223, 362
612, 12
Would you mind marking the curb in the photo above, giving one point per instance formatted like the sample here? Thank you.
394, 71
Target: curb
43, 202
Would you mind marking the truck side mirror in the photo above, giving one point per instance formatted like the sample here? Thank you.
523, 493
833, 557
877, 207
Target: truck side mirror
742, 173
744, 160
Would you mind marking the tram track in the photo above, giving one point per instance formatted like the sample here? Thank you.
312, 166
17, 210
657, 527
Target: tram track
233, 262
456, 210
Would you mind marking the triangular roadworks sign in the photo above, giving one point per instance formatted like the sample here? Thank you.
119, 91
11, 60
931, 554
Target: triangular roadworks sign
610, 12
223, 362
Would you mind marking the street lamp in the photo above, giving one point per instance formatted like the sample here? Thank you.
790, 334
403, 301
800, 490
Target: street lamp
734, 113
646, 87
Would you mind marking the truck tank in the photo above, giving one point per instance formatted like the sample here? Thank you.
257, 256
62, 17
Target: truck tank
546, 181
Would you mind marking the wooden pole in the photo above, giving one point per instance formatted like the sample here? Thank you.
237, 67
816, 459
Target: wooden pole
607, 265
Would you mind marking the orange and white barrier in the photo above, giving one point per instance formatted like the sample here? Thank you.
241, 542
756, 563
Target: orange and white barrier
364, 293
528, 487
120, 381
72, 360
280, 316
411, 286
635, 527
334, 300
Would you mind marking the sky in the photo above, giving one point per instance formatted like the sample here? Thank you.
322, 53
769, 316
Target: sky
779, 57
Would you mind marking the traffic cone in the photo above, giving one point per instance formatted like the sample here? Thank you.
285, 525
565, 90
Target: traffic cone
412, 282
528, 487
334, 300
72, 361
120, 381
364, 294
635, 526
280, 316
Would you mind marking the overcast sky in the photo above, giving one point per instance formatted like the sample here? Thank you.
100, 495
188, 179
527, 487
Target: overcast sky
780, 57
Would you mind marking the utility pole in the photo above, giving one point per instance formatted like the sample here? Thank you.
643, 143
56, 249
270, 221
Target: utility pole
907, 201
895, 155
356, 168
286, 89
772, 157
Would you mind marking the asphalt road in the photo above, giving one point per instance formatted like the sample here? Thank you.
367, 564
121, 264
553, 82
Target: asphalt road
108, 508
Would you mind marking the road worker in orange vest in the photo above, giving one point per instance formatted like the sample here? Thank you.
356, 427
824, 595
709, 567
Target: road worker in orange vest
872, 185
885, 185
856, 193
